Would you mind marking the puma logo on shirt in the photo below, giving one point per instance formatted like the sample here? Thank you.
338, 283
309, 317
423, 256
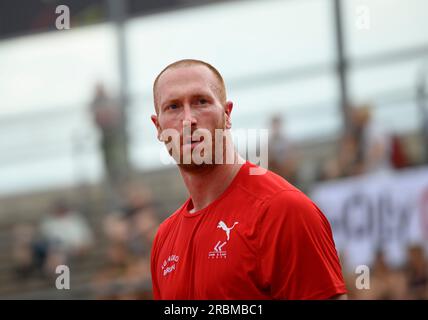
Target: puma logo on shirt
226, 229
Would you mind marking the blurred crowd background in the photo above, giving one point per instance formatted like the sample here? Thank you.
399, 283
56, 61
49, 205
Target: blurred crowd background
342, 87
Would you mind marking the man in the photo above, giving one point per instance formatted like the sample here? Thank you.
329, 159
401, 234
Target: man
241, 234
282, 153
108, 119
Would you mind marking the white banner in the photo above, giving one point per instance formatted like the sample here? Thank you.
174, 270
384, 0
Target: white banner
387, 211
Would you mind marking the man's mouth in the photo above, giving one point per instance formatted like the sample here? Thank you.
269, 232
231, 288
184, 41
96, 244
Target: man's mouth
193, 141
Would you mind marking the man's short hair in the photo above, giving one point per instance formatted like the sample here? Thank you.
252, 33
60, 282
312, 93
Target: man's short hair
221, 89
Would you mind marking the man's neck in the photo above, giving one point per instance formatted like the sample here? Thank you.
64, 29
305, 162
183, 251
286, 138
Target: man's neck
208, 183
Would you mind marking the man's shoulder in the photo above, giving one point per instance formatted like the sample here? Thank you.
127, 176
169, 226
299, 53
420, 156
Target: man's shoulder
293, 209
264, 184
278, 196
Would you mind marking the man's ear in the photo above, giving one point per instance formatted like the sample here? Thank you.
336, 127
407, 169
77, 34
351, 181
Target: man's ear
156, 123
228, 110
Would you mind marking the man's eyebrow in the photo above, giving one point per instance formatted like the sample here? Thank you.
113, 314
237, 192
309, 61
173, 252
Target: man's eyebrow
199, 93
168, 101
203, 94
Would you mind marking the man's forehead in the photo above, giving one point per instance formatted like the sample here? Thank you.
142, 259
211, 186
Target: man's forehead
183, 79
186, 73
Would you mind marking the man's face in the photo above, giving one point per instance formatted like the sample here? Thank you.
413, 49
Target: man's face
187, 99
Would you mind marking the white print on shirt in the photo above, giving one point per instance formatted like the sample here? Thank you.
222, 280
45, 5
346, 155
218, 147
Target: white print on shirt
218, 252
226, 229
169, 264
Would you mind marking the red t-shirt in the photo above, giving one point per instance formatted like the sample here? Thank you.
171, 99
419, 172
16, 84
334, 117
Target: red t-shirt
261, 239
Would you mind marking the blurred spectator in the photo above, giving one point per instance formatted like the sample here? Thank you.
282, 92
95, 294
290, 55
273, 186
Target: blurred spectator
108, 117
373, 143
63, 234
364, 148
399, 158
344, 163
348, 275
417, 273
282, 153
423, 114
106, 280
385, 283
425, 138
22, 253
141, 217
130, 233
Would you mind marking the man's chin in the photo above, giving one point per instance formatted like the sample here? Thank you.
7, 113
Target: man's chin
194, 167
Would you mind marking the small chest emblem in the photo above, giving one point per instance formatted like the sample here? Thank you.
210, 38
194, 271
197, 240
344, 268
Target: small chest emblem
218, 251
169, 265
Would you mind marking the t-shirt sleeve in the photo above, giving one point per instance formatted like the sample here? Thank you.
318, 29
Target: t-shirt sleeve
297, 257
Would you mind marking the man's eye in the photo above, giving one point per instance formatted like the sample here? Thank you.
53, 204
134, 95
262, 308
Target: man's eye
172, 106
202, 101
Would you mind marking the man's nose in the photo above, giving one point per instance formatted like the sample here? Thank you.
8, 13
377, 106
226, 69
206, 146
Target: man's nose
188, 119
